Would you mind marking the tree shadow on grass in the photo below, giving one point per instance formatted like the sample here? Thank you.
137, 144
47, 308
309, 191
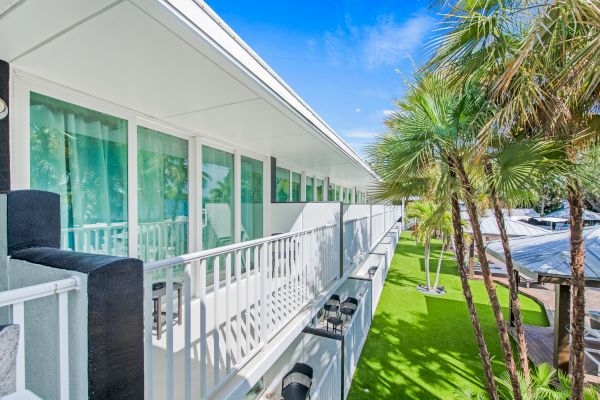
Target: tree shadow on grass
420, 346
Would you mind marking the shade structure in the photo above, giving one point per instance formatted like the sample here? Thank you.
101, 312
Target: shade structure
546, 257
489, 226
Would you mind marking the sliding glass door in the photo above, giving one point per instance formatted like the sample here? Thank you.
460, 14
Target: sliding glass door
282, 185
81, 154
252, 198
296, 186
217, 198
319, 189
162, 172
310, 184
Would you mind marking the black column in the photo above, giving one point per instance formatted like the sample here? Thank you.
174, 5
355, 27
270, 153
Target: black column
4, 134
114, 294
562, 321
274, 180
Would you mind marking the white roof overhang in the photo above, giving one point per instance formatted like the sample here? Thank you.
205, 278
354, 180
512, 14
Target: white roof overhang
175, 61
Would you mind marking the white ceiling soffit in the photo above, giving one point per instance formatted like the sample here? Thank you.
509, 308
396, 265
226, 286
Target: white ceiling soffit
139, 55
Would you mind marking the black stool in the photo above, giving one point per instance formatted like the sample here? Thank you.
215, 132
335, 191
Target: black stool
336, 324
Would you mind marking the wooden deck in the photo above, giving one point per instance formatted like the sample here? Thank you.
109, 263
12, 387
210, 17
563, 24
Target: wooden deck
540, 344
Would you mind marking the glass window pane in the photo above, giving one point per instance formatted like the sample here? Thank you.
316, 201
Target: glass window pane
319, 190
282, 185
331, 192
217, 198
310, 188
81, 154
338, 193
252, 199
162, 172
296, 186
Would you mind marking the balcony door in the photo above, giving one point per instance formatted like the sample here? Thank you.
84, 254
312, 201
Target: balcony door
251, 199
81, 154
217, 198
163, 192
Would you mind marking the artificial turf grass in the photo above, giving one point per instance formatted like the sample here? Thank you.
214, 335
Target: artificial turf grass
423, 346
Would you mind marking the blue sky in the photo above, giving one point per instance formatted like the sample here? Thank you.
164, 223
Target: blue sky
348, 59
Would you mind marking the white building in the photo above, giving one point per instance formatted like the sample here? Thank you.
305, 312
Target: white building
169, 140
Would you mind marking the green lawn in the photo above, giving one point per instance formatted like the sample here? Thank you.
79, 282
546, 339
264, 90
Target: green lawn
423, 347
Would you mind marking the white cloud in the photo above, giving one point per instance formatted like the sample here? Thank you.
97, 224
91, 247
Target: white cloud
360, 134
388, 42
357, 110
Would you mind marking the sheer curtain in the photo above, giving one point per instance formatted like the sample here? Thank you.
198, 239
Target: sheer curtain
81, 154
162, 195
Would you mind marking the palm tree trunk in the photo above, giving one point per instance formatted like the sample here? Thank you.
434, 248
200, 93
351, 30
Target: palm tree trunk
577, 364
427, 251
459, 250
439, 266
512, 282
509, 362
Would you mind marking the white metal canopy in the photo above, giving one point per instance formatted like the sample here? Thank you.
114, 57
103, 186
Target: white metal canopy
549, 255
176, 62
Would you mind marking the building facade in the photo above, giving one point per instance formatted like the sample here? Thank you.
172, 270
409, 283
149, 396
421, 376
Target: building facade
168, 140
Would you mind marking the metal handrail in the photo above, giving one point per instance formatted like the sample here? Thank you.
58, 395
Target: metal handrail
187, 258
21, 295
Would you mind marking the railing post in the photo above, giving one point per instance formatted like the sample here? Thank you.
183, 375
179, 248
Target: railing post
370, 225
341, 239
264, 263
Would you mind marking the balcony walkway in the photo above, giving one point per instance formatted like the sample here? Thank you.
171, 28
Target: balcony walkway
423, 347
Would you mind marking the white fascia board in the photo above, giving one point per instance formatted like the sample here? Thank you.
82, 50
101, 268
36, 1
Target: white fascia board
201, 17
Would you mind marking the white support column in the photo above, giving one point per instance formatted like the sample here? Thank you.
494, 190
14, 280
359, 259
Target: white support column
195, 194
303, 186
197, 215
132, 188
267, 196
237, 197
353, 199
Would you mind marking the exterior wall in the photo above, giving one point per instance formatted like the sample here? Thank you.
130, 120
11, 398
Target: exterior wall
41, 321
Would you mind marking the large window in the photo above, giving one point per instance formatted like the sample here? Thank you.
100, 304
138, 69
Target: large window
252, 199
282, 184
296, 186
310, 186
319, 190
217, 198
81, 154
162, 172
331, 192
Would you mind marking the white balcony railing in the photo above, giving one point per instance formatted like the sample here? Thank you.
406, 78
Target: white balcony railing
244, 294
156, 240
356, 240
109, 239
15, 300
329, 385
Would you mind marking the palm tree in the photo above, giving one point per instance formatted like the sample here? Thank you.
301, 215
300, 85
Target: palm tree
539, 60
425, 214
546, 383
424, 146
